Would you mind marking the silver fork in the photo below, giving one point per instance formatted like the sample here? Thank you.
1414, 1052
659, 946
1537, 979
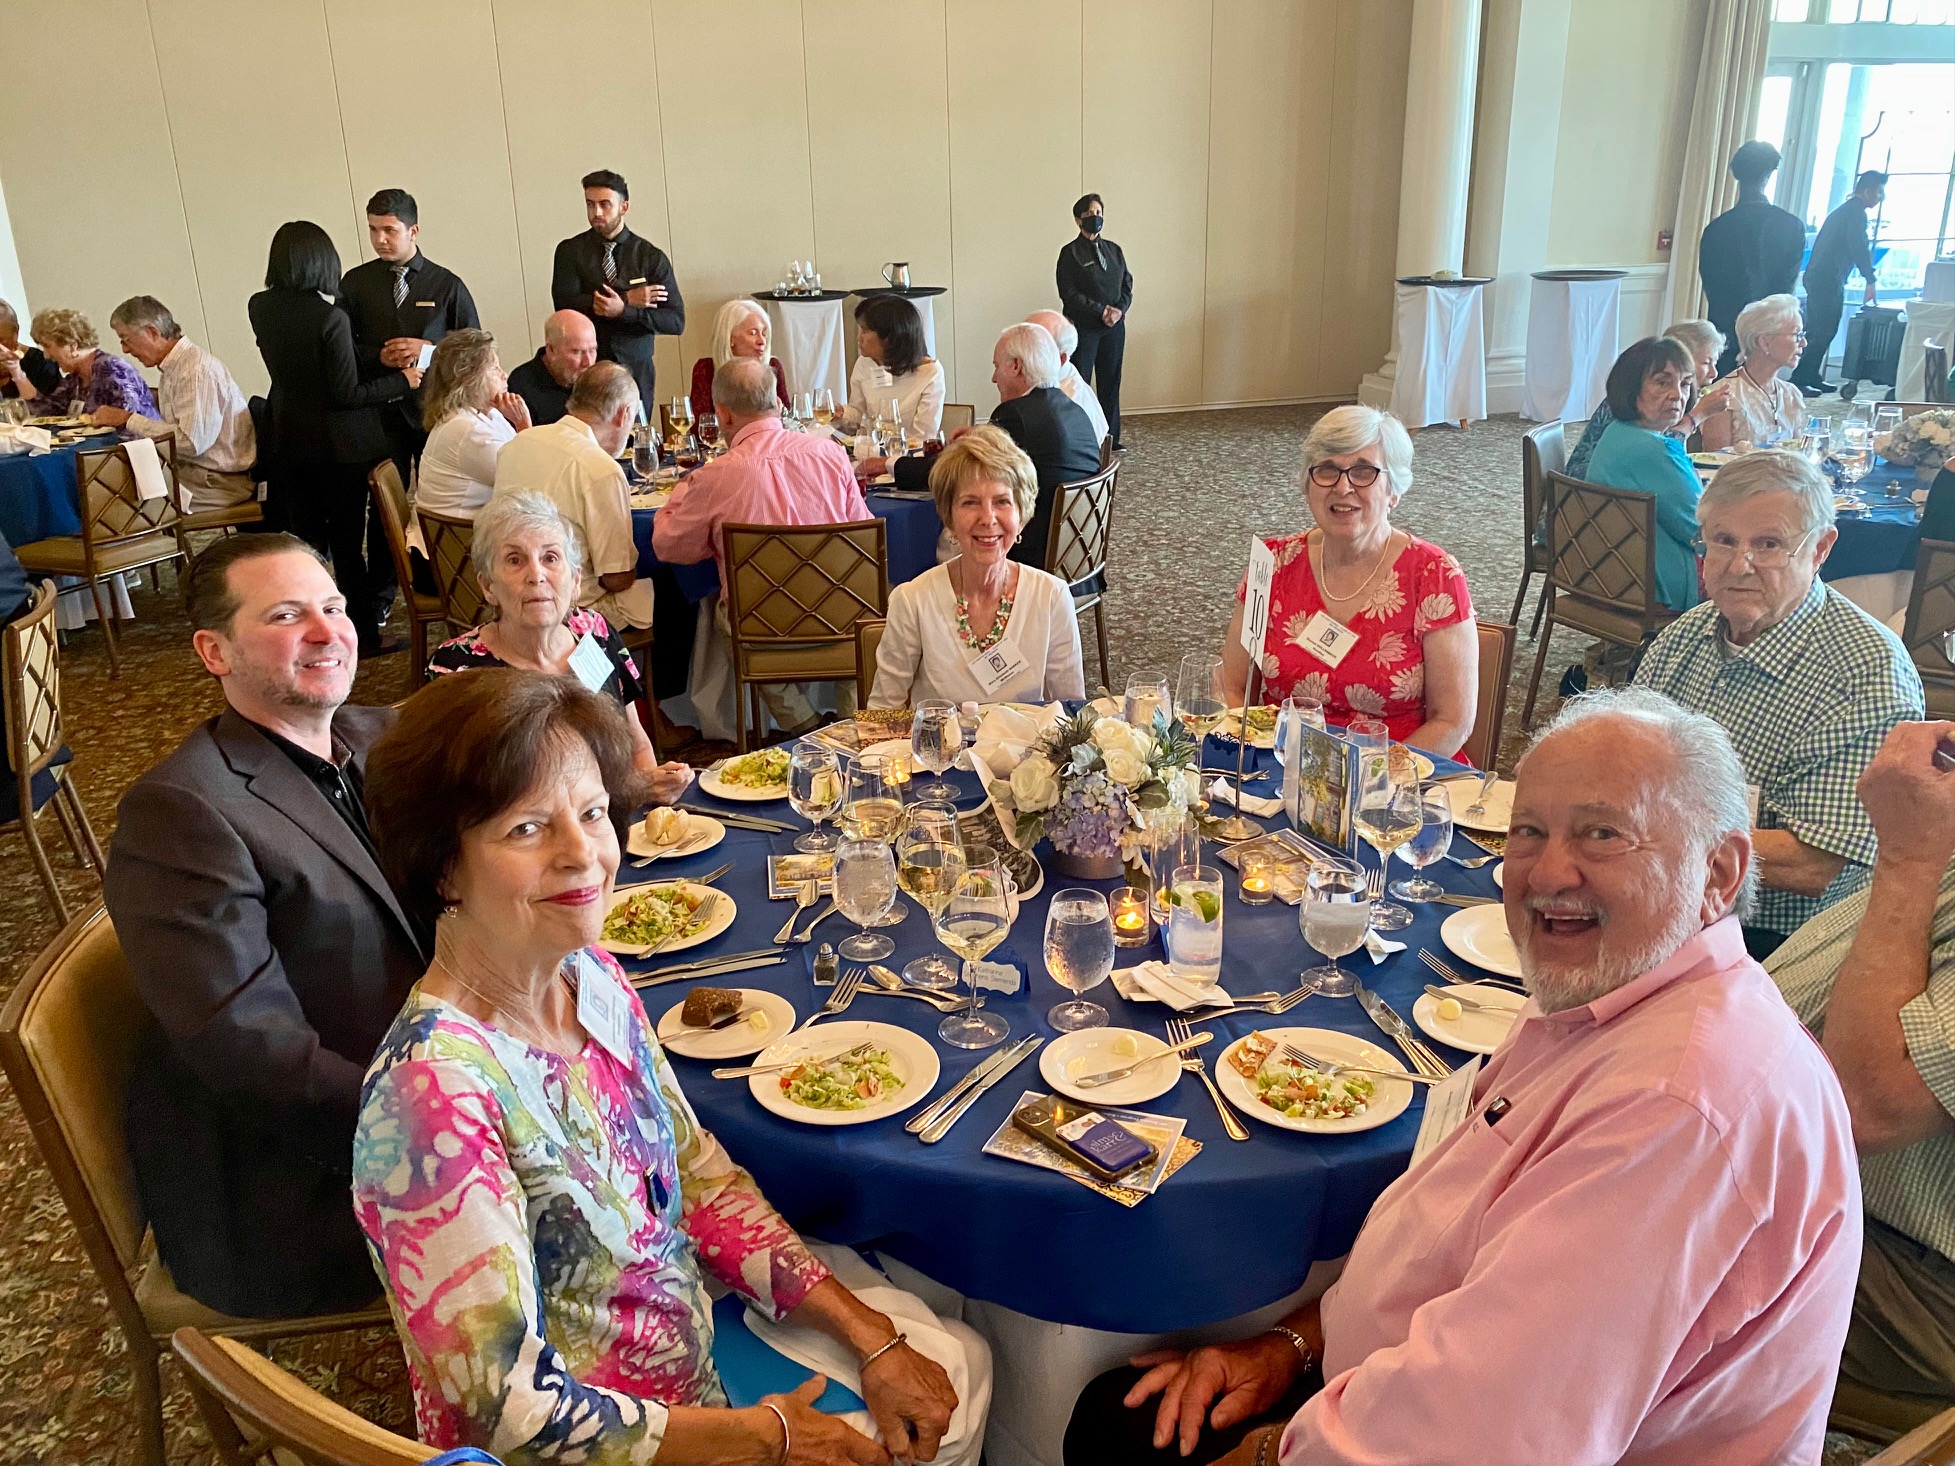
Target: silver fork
1180, 1031
704, 911
1479, 805
1451, 974
872, 981
803, 899
1374, 883
1471, 862
1282, 1004
1331, 1069
844, 994
685, 847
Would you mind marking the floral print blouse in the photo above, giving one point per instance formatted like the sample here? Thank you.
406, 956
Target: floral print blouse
541, 1224
112, 383
460, 653
1384, 674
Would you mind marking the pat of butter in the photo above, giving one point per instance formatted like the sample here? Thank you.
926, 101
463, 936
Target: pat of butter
757, 1020
1125, 1046
1449, 1010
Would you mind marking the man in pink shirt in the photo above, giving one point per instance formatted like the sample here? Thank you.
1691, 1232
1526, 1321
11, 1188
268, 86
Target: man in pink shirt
1641, 1245
766, 476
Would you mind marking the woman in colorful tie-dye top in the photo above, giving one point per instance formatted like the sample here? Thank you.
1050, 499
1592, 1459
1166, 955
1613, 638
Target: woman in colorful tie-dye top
538, 1196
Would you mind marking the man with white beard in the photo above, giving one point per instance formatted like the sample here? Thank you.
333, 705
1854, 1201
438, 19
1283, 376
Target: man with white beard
1640, 1245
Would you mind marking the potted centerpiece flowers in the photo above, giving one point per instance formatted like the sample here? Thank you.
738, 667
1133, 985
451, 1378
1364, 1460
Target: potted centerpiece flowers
1100, 790
1925, 441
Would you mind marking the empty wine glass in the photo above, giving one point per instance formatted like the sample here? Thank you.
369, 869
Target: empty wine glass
814, 789
1078, 954
1308, 711
1147, 697
1429, 845
865, 890
1335, 913
936, 738
708, 428
975, 919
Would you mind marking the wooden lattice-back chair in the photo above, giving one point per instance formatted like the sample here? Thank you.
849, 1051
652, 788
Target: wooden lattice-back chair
1077, 542
1930, 617
868, 641
260, 1415
1601, 568
1482, 746
449, 539
957, 415
793, 594
37, 750
69, 1038
423, 610
1544, 450
120, 530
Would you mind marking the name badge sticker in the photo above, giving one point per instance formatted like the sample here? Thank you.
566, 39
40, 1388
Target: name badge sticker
588, 661
424, 305
1327, 640
998, 666
601, 1009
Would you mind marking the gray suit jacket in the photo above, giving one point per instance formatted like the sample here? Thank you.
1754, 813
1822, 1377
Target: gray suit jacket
273, 956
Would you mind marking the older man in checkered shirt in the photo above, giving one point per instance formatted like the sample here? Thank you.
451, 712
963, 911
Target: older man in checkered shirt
1874, 977
1805, 682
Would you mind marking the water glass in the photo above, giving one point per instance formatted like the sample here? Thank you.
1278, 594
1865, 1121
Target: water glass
865, 890
936, 738
1172, 848
1368, 733
814, 789
1307, 711
975, 919
1194, 937
1078, 954
1147, 695
644, 453
1197, 695
1335, 914
708, 428
1429, 845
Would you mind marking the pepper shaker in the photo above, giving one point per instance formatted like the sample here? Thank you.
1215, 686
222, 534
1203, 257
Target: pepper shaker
826, 966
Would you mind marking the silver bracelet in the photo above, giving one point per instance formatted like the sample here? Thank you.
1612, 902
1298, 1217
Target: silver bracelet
787, 1436
1297, 1340
899, 1339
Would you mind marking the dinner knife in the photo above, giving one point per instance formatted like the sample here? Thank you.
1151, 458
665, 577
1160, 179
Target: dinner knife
745, 821
705, 880
693, 974
978, 1074
937, 1129
1423, 1058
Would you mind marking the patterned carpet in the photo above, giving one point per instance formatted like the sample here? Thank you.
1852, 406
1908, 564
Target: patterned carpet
1196, 487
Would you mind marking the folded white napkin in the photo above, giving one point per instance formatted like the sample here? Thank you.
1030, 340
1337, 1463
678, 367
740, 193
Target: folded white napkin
1156, 982
148, 468
1378, 947
19, 438
1005, 735
1253, 804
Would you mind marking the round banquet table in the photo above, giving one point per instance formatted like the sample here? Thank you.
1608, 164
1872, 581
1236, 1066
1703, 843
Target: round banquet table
1238, 1227
806, 332
37, 495
913, 530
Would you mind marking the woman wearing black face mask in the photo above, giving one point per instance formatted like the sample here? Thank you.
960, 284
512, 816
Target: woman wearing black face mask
1095, 289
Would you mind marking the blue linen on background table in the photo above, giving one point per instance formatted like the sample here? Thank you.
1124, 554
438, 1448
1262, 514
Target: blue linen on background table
912, 538
1238, 1227
1884, 540
37, 495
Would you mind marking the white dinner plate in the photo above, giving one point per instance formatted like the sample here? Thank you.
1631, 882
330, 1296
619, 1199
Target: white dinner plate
1479, 934
724, 910
910, 1056
695, 826
1477, 1033
1500, 875
1090, 1051
1463, 793
711, 783
735, 1040
886, 747
1388, 1100
1231, 726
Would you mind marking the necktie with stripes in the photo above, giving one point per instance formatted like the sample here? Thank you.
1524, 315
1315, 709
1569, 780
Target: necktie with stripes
610, 262
400, 286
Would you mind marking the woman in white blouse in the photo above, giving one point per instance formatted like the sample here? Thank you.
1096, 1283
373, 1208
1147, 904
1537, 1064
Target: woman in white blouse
469, 412
894, 366
982, 628
1763, 406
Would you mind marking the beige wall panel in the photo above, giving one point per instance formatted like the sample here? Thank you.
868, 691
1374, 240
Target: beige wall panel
1625, 116
566, 118
880, 143
255, 119
1270, 175
1014, 167
93, 224
1374, 39
422, 111
1146, 149
734, 98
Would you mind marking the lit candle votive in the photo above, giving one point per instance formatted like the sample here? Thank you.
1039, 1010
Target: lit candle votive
1258, 880
1130, 923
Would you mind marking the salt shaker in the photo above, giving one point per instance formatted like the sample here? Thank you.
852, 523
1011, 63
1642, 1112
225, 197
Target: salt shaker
826, 966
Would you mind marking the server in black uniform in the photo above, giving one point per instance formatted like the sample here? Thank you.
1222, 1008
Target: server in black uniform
1840, 247
1749, 251
623, 283
1095, 289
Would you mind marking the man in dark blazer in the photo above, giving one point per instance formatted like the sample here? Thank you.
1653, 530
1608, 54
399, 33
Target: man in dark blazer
266, 944
1054, 430
623, 283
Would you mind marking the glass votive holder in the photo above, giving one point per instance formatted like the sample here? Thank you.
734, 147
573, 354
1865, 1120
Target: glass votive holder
1258, 879
1131, 927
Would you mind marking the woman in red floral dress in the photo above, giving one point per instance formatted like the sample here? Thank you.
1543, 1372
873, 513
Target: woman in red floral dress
1367, 618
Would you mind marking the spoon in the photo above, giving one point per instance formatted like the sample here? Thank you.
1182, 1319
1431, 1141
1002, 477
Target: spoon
888, 982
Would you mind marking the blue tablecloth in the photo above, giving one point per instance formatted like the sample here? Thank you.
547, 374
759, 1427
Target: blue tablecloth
913, 529
1884, 540
1237, 1228
37, 496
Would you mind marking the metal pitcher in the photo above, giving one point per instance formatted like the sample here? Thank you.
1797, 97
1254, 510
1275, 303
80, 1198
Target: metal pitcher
897, 275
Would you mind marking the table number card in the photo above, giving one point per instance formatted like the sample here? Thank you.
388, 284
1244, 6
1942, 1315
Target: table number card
1255, 605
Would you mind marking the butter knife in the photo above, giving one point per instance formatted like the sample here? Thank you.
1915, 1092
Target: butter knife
957, 1091
695, 974
1423, 1059
937, 1129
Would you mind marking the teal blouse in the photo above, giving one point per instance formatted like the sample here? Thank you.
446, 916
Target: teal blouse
1629, 457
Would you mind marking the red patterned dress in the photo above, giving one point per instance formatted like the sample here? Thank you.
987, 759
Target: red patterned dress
1384, 674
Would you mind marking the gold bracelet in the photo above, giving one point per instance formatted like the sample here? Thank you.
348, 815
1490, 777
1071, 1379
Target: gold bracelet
787, 1436
899, 1339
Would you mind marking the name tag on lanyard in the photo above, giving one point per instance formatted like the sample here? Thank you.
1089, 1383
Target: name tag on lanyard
602, 1010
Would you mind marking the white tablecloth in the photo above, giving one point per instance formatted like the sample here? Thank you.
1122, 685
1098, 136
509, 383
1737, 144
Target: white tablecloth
1442, 357
1571, 344
1927, 320
807, 337
1938, 280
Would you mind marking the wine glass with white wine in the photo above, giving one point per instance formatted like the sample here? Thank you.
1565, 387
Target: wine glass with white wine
1196, 698
1388, 815
929, 863
814, 789
973, 921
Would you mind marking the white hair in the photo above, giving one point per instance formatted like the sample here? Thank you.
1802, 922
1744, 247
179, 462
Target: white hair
1353, 427
732, 316
1034, 349
1065, 332
507, 516
1768, 471
1763, 318
745, 386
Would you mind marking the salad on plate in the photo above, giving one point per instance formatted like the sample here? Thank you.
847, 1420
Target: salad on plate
1296, 1092
766, 769
851, 1081
650, 916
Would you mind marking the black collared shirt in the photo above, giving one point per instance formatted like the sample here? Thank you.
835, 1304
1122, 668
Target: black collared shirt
437, 302
545, 397
1093, 275
339, 779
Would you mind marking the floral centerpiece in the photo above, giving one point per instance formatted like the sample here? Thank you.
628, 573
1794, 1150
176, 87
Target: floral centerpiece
1925, 440
1101, 789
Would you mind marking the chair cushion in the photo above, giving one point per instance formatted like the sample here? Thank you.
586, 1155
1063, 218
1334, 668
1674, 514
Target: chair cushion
62, 555
807, 662
1598, 619
249, 512
44, 786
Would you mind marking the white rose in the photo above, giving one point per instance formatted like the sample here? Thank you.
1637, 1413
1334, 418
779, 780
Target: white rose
1187, 786
1126, 767
1034, 785
1111, 733
1084, 757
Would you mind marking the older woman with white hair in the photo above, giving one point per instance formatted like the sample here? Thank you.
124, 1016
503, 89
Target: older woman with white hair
1368, 619
469, 413
527, 562
742, 328
1763, 407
